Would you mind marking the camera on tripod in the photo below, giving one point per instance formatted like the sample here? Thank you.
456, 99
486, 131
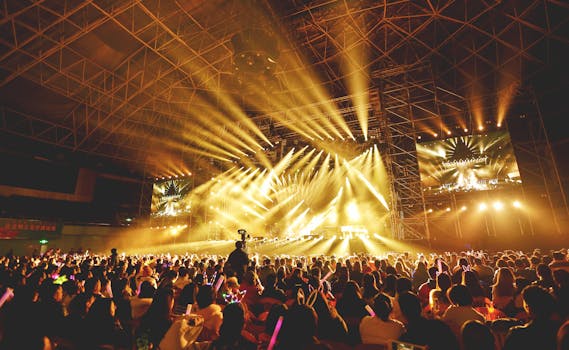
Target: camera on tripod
244, 236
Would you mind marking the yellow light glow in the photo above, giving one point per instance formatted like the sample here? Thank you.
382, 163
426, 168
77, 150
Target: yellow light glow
353, 211
498, 205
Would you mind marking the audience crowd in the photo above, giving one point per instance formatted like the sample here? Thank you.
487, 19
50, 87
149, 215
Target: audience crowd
445, 300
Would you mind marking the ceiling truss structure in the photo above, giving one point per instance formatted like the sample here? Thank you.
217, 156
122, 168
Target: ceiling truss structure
126, 70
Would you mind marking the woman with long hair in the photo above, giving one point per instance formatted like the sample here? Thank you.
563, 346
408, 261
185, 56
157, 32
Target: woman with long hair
438, 300
420, 275
299, 330
471, 281
157, 319
356, 273
351, 306
102, 327
230, 332
369, 287
331, 325
504, 290
206, 307
186, 297
401, 268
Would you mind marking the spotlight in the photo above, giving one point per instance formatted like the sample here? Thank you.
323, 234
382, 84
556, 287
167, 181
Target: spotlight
498, 205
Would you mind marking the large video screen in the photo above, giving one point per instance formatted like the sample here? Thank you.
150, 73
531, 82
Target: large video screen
468, 163
171, 198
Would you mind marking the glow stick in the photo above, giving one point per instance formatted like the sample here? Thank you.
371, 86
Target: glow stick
326, 277
259, 284
440, 265
275, 333
188, 309
218, 283
60, 280
109, 290
7, 294
370, 311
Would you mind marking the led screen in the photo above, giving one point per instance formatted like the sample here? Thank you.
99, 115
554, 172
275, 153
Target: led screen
468, 163
171, 197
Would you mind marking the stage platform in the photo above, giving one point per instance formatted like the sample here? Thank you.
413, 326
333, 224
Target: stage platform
283, 247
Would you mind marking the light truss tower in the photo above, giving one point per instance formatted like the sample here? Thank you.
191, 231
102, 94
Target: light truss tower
542, 183
403, 90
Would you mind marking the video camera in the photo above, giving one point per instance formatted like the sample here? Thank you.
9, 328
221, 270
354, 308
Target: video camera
244, 236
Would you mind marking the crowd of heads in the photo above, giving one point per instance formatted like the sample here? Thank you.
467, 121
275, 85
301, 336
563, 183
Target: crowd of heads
444, 300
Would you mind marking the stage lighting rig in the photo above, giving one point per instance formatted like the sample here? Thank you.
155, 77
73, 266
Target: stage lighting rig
255, 53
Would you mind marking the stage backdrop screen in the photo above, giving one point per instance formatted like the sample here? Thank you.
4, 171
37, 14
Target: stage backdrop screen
171, 198
468, 163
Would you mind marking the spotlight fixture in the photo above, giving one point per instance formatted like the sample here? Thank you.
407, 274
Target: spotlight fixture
254, 51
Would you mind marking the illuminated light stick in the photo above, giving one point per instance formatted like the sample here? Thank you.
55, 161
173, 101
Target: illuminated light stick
326, 277
188, 309
491, 311
109, 290
275, 333
312, 297
261, 287
7, 294
234, 298
300, 296
60, 280
219, 282
440, 266
370, 311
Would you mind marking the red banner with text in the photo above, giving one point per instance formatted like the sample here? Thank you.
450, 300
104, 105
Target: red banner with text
29, 229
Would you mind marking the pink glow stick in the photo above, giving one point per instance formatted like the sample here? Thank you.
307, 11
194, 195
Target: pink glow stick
370, 311
275, 333
7, 294
219, 282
